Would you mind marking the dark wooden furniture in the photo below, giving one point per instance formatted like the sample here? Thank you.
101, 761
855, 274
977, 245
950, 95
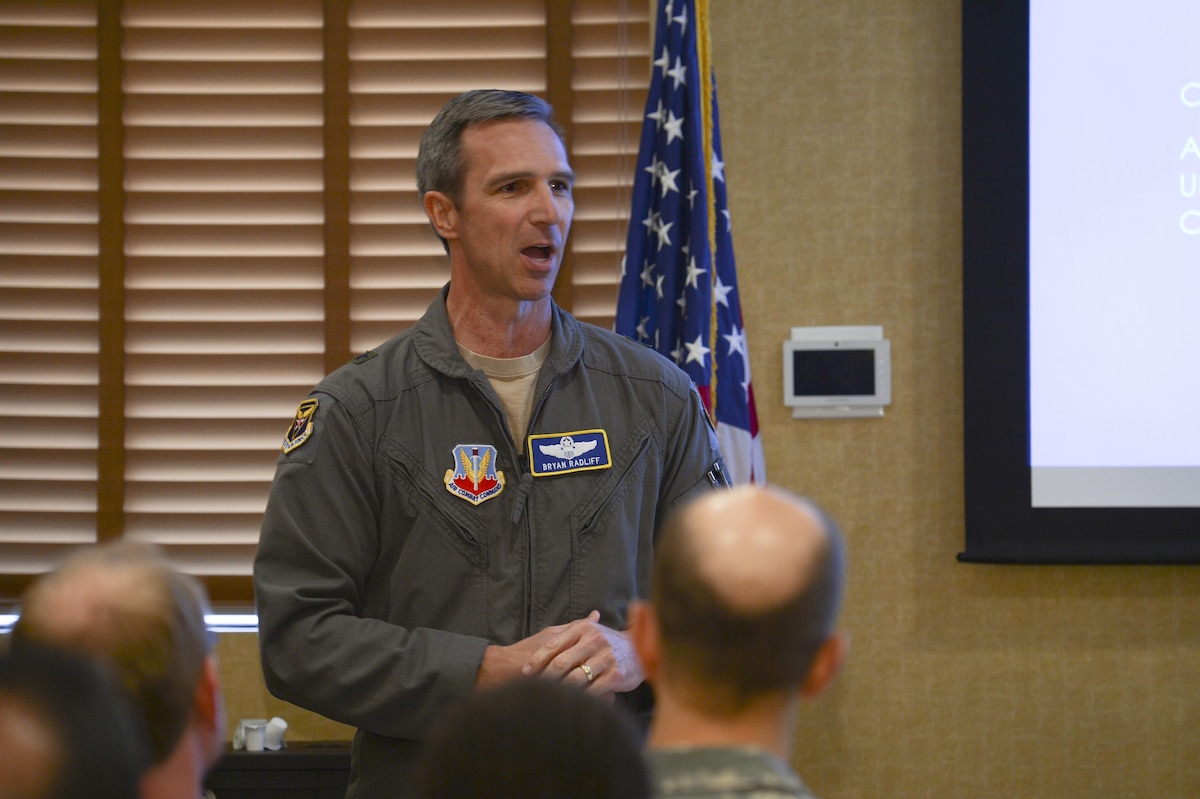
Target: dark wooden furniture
298, 771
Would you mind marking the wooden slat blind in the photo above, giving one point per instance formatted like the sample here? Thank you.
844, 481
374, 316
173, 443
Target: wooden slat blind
224, 307
181, 265
49, 281
609, 68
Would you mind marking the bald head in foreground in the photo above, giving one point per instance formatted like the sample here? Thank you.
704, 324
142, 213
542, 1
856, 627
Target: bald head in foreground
740, 627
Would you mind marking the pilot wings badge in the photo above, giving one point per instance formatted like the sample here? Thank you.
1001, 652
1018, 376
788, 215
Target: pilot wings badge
474, 476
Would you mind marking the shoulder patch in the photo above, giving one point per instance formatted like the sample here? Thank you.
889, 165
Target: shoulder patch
366, 356
302, 426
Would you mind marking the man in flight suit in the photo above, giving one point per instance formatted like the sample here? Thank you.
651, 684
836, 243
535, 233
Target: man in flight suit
476, 500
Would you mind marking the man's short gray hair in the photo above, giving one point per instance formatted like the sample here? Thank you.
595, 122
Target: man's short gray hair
440, 164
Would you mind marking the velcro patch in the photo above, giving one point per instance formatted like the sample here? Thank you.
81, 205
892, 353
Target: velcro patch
474, 476
302, 426
564, 453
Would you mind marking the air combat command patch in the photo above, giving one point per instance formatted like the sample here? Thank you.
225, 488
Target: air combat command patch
474, 476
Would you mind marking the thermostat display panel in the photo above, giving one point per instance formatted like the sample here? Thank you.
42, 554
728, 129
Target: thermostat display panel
832, 372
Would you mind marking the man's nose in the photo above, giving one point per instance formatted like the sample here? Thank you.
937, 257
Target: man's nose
546, 208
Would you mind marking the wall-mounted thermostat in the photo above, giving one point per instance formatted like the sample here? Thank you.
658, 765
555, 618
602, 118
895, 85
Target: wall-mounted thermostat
837, 372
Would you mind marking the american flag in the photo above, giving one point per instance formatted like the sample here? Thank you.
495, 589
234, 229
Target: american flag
675, 295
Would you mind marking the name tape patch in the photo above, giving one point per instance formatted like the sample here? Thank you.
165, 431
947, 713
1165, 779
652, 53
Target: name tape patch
564, 453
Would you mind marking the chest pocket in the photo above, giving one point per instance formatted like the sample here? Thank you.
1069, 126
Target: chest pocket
445, 563
630, 461
603, 555
415, 503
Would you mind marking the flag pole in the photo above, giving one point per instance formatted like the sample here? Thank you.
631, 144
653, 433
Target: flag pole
704, 56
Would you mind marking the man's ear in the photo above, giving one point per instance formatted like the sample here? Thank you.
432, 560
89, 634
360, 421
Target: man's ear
643, 632
207, 703
442, 213
208, 711
825, 666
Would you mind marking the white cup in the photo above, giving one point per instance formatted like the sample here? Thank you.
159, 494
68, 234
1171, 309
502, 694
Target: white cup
254, 732
276, 727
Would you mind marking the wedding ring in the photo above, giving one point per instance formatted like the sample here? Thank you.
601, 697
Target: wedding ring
588, 671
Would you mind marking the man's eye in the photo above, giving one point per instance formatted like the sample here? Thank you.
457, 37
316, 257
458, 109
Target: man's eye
560, 186
508, 188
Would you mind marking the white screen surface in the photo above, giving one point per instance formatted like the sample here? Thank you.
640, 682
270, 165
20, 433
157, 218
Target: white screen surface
1114, 253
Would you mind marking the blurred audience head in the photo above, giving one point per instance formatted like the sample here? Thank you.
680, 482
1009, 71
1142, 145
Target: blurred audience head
534, 739
65, 731
122, 604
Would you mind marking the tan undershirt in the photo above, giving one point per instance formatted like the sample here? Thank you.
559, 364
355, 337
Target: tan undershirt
513, 380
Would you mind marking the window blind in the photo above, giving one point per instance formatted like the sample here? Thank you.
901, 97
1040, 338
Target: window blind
49, 283
610, 66
223, 262
266, 226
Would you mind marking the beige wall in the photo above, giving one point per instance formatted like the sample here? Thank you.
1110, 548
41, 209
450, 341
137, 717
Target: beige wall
841, 124
841, 129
